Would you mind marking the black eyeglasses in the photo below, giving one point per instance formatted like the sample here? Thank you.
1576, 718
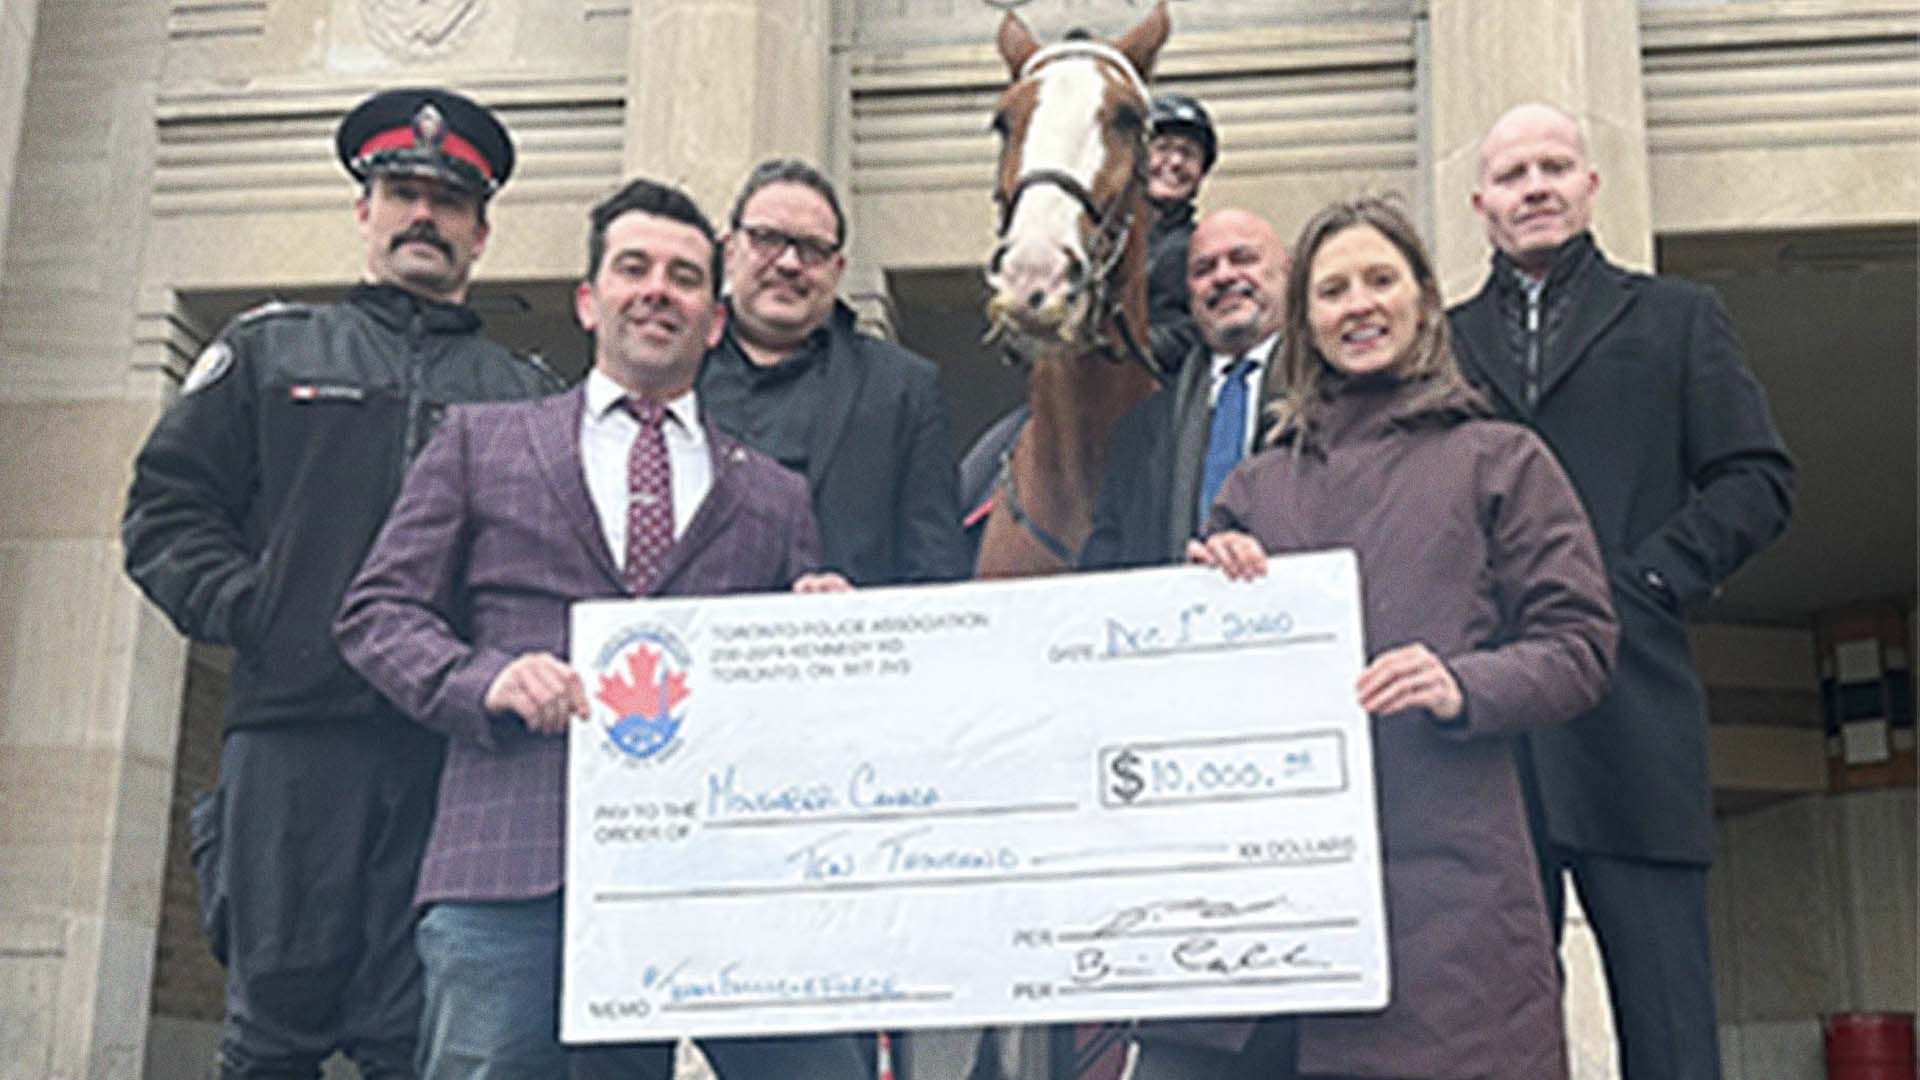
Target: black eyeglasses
771, 243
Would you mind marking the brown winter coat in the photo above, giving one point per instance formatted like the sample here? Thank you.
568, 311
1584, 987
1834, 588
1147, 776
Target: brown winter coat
1471, 541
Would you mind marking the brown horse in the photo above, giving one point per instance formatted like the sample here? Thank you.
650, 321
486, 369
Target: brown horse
1069, 298
1068, 277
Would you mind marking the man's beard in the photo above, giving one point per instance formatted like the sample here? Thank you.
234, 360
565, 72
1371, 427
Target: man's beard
1237, 337
1241, 334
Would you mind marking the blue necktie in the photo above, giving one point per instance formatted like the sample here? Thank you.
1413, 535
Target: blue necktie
1227, 438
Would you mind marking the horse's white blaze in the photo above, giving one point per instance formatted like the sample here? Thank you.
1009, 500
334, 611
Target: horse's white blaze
1064, 133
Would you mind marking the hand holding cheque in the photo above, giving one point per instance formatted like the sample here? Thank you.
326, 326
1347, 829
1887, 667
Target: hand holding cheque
546, 692
1409, 677
541, 689
1137, 794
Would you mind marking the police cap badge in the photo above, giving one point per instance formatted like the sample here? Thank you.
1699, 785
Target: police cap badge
426, 132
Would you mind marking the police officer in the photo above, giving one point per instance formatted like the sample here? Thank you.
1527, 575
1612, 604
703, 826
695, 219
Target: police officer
1181, 149
252, 503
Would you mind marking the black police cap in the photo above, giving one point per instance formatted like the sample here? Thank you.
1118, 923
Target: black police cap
426, 132
1178, 114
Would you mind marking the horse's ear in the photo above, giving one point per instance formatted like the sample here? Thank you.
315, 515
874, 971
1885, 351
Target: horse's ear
1142, 43
1016, 43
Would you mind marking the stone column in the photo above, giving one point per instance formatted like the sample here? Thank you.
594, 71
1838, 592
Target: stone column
714, 86
864, 286
1484, 56
16, 55
89, 676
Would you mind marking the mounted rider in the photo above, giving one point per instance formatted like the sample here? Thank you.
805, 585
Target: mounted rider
1181, 149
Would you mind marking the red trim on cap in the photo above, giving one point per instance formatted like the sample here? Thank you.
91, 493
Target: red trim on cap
452, 145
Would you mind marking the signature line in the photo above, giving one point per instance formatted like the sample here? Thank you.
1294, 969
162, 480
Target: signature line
1214, 929
1183, 984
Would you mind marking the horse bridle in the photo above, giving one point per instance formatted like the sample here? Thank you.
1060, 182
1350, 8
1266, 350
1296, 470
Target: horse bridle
1112, 224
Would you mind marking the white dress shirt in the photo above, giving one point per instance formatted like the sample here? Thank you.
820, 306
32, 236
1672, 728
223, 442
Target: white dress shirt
607, 432
1261, 355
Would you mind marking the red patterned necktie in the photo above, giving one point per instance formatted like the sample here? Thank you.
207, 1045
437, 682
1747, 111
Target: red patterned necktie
649, 496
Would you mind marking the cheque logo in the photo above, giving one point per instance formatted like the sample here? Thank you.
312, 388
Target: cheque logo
643, 680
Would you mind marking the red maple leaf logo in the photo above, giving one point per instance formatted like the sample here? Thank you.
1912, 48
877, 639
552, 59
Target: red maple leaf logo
643, 692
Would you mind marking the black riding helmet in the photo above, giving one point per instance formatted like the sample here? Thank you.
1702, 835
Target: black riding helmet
1178, 114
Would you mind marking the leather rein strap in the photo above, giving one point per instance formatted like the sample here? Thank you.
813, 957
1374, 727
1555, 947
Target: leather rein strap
1011, 491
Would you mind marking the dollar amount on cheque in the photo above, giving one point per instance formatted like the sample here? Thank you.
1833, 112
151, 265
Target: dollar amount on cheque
1143, 794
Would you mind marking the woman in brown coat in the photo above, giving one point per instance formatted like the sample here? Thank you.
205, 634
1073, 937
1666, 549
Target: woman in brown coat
1486, 613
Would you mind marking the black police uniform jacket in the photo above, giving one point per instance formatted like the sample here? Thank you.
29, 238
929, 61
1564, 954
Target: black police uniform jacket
1171, 331
260, 489
1666, 435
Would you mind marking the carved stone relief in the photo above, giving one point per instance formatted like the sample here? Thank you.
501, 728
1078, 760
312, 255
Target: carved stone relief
420, 29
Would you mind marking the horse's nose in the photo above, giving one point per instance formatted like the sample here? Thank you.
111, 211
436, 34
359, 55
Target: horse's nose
1036, 279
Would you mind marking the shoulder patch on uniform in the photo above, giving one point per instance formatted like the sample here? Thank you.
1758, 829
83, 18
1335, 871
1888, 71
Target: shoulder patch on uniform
272, 309
214, 361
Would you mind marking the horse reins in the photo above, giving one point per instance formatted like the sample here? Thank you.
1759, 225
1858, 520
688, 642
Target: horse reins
1104, 252
1105, 248
1112, 225
1010, 489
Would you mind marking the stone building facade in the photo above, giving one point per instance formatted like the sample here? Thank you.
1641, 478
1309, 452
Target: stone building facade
164, 165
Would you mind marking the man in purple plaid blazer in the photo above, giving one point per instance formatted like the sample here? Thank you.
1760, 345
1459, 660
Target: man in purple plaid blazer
459, 616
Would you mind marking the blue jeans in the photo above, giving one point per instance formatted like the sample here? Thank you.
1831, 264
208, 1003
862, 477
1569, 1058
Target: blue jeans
492, 991
493, 1011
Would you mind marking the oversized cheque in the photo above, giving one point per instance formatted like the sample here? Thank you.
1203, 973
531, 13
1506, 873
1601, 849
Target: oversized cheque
1110, 795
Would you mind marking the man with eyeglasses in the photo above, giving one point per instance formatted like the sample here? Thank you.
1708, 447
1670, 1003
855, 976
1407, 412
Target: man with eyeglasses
862, 419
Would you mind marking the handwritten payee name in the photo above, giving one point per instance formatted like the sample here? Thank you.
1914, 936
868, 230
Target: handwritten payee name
729, 794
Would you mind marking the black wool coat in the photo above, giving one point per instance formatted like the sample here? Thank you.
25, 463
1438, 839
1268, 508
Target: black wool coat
1668, 440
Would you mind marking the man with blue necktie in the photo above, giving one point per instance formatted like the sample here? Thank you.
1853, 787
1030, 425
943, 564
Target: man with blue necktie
1167, 457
